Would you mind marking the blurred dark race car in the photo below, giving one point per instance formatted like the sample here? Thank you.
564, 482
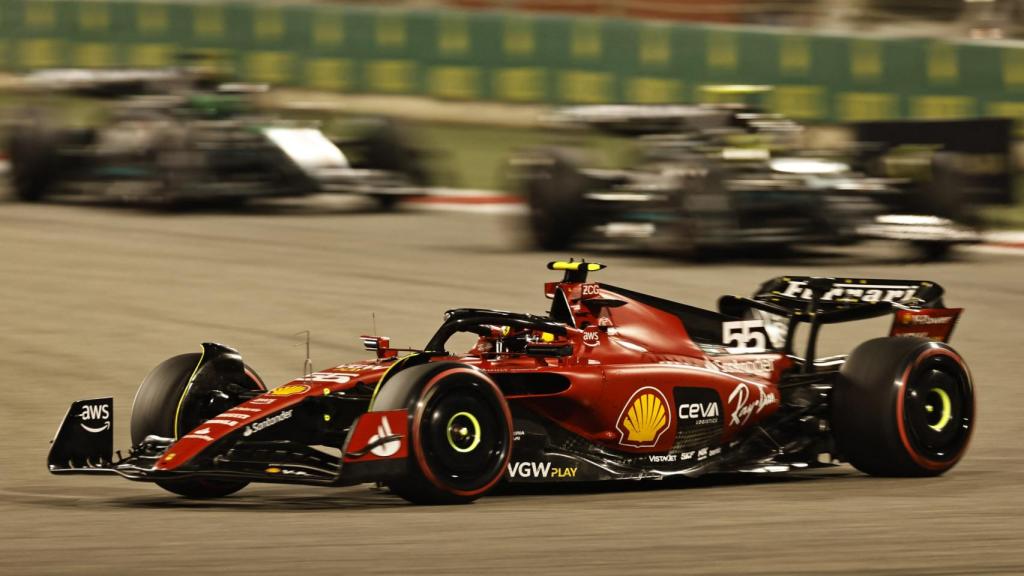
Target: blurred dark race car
611, 384
724, 177
179, 138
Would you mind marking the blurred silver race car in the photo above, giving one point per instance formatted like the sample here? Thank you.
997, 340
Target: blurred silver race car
175, 138
711, 178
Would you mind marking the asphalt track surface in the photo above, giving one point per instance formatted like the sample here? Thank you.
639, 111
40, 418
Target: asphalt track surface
92, 297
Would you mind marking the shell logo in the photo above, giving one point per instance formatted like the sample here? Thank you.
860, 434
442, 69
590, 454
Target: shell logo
289, 390
644, 418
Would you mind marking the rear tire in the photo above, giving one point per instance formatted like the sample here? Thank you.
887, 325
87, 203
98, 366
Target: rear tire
918, 427
156, 409
555, 195
386, 202
945, 194
389, 148
33, 149
460, 433
933, 251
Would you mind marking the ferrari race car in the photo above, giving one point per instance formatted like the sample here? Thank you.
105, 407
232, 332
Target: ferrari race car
611, 384
171, 139
708, 179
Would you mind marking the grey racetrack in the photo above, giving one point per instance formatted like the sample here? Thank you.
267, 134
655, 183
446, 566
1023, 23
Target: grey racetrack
92, 297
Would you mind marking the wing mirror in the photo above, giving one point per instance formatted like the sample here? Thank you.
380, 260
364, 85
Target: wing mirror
381, 345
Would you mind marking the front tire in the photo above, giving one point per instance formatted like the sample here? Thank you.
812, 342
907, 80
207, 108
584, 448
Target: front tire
460, 433
903, 406
160, 409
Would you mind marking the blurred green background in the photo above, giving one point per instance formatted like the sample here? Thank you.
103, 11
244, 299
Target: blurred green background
525, 58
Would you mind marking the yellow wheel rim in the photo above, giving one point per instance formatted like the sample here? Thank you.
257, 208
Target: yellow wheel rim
464, 431
945, 409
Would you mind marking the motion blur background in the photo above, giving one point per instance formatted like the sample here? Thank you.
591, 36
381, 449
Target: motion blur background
93, 296
831, 59
828, 61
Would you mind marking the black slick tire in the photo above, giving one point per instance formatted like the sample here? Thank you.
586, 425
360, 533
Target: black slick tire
903, 406
33, 159
156, 410
460, 432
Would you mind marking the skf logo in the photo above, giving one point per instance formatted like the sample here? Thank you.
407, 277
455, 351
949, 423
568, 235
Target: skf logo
92, 412
386, 449
644, 418
289, 390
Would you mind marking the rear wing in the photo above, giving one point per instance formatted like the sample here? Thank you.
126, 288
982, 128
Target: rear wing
977, 152
916, 306
102, 83
641, 120
797, 292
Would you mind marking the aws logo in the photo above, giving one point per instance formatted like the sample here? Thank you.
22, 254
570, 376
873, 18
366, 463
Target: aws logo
644, 418
93, 412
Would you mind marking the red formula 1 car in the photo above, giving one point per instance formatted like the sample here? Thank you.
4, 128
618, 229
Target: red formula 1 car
611, 384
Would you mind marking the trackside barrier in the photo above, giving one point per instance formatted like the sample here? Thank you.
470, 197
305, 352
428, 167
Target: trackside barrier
517, 57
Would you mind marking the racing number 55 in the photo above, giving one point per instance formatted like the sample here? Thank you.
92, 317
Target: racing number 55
744, 336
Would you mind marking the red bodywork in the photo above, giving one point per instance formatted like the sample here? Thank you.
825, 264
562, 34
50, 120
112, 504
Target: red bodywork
626, 365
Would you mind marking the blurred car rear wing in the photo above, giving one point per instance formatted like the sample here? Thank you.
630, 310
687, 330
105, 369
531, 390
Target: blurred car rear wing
978, 150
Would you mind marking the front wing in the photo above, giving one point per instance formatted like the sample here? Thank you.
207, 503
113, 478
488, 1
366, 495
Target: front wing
375, 449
